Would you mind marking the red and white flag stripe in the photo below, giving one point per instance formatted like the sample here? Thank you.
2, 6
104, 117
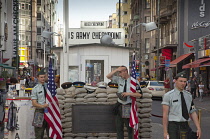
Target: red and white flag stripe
53, 117
134, 115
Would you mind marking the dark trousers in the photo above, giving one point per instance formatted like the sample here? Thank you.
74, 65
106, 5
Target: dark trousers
193, 92
39, 131
175, 128
120, 122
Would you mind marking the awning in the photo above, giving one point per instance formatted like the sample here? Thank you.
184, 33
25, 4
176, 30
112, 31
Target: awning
205, 65
179, 59
196, 63
6, 66
5, 60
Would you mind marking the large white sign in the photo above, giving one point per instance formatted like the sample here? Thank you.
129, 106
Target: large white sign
86, 36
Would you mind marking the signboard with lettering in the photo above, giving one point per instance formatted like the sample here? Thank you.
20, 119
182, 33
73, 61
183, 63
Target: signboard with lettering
85, 36
15, 31
198, 18
94, 24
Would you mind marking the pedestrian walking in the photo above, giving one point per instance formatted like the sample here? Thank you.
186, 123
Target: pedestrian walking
178, 107
193, 86
124, 99
201, 90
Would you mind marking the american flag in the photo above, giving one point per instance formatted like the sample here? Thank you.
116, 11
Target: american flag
134, 115
53, 116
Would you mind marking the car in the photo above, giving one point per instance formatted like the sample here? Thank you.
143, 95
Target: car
156, 87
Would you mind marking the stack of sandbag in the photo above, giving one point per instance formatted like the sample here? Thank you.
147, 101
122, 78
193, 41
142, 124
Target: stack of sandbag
68, 102
111, 95
144, 112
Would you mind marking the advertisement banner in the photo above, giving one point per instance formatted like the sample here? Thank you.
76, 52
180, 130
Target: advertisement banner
198, 18
162, 60
167, 53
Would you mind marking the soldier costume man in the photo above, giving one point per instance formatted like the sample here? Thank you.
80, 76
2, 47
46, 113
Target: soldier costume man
177, 106
38, 97
124, 99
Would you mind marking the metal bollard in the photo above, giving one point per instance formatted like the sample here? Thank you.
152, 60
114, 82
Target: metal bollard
199, 116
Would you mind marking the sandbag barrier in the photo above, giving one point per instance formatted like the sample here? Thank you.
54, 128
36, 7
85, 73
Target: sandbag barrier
72, 95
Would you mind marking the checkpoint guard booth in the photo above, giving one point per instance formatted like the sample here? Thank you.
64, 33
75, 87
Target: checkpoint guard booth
86, 62
84, 58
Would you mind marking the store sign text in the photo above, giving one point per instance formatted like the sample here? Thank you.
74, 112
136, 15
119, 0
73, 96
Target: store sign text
15, 26
202, 24
202, 9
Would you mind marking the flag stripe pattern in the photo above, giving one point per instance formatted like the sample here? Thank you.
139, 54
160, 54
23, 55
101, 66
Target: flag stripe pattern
52, 116
134, 115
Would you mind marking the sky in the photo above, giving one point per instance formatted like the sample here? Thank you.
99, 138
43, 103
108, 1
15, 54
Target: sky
87, 10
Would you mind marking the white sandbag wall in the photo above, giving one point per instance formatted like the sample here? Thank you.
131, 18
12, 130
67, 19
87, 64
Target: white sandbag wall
72, 95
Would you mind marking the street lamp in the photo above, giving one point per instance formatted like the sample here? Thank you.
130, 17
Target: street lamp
148, 27
47, 35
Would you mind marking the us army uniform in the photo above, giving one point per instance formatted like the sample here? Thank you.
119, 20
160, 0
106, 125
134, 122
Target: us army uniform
38, 93
175, 118
119, 120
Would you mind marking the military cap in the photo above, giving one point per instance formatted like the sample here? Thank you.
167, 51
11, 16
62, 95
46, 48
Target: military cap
66, 85
42, 72
78, 84
113, 85
182, 74
102, 85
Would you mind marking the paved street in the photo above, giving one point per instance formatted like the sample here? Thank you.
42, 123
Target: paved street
157, 131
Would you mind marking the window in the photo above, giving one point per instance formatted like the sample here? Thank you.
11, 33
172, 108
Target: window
125, 12
147, 19
39, 2
126, 36
147, 45
147, 4
39, 16
22, 6
39, 44
27, 7
39, 31
73, 73
94, 69
125, 24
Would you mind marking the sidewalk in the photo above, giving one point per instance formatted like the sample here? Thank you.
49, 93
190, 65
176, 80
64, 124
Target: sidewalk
157, 129
203, 105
